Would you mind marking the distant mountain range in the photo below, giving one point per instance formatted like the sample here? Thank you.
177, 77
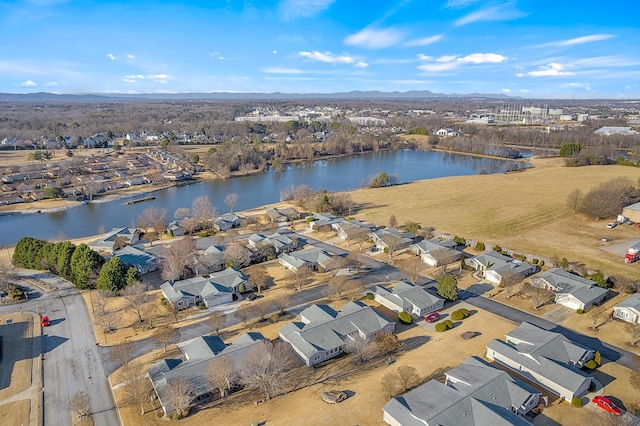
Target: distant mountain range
374, 94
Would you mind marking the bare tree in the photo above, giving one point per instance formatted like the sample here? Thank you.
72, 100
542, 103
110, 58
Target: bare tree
281, 303
387, 343
597, 313
258, 276
353, 289
243, 313
407, 377
444, 257
137, 296
539, 295
337, 263
79, 404
178, 393
137, 388
122, 353
414, 267
231, 200
301, 277
509, 282
237, 255
259, 309
390, 384
7, 274
392, 242
220, 373
151, 217
573, 199
357, 346
176, 257
265, 365
104, 317
217, 321
203, 211
634, 333
393, 222
166, 335
181, 213
336, 286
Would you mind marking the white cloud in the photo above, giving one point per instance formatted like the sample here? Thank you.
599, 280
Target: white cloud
454, 4
52, 84
424, 41
447, 58
524, 90
28, 83
111, 56
505, 90
278, 70
502, 12
291, 9
275, 52
424, 57
554, 69
584, 39
483, 58
160, 78
327, 57
130, 56
132, 78
443, 66
361, 64
374, 39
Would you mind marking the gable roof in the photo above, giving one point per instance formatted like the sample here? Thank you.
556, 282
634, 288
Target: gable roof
475, 394
130, 255
229, 278
631, 302
405, 294
192, 287
565, 282
313, 255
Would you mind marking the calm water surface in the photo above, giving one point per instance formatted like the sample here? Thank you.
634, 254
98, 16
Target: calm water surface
338, 174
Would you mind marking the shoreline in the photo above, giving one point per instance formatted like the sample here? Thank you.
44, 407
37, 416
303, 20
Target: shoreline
40, 206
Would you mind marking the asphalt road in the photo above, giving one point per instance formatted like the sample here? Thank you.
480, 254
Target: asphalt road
71, 358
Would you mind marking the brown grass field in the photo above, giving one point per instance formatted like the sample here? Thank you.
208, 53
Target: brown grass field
525, 211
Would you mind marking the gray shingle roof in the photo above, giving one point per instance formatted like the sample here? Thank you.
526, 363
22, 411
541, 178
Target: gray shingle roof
632, 301
405, 294
562, 281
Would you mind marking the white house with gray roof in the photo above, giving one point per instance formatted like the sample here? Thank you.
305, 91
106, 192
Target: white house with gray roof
197, 355
570, 290
233, 279
192, 291
408, 298
474, 393
281, 243
546, 358
227, 221
106, 244
434, 252
323, 332
629, 309
383, 238
313, 258
493, 266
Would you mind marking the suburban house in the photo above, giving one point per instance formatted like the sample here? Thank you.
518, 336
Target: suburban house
546, 358
493, 266
175, 229
474, 393
435, 253
313, 258
408, 298
319, 220
447, 132
629, 309
347, 229
571, 290
322, 332
197, 355
233, 279
286, 214
107, 244
391, 238
227, 221
214, 257
192, 291
137, 258
280, 242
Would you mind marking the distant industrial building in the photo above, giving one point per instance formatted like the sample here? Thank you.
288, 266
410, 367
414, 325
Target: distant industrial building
610, 130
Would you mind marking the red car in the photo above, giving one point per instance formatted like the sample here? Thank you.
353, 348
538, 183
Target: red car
432, 317
45, 321
606, 404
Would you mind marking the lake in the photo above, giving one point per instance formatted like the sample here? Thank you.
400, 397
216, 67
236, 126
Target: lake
337, 174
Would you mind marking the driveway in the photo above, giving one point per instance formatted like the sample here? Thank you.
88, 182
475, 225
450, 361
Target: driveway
71, 359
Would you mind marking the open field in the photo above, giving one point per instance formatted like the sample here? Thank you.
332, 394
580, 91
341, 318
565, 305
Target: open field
525, 211
19, 338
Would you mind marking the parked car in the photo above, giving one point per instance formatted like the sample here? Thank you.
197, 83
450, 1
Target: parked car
611, 225
432, 317
45, 321
606, 404
606, 239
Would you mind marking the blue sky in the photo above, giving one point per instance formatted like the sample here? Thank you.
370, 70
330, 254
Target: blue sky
536, 49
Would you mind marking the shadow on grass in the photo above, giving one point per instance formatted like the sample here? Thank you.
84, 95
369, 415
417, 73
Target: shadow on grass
414, 342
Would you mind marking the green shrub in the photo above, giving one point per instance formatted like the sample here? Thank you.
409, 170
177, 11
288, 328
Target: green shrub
310, 219
464, 311
534, 261
457, 316
386, 250
449, 323
591, 365
564, 263
541, 263
370, 296
204, 234
405, 318
576, 402
275, 317
598, 358
479, 245
460, 240
497, 248
440, 327
579, 311
201, 305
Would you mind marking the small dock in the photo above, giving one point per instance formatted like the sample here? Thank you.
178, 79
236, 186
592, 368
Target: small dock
140, 200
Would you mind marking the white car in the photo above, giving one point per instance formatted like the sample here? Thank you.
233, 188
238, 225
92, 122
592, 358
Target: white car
611, 225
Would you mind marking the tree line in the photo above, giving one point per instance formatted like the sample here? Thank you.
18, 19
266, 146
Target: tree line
80, 265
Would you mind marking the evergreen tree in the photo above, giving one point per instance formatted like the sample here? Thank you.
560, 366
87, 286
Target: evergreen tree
448, 287
113, 275
65, 251
84, 262
132, 276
